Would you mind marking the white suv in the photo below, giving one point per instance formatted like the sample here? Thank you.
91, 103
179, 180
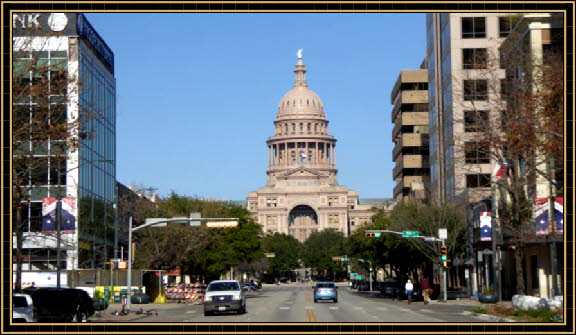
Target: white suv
224, 295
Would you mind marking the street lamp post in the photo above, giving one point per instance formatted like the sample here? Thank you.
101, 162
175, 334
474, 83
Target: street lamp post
192, 221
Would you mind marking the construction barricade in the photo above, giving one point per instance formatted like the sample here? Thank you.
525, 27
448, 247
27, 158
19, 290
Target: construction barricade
185, 293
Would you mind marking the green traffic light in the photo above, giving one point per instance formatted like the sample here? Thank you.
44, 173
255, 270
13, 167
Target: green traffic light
377, 234
444, 258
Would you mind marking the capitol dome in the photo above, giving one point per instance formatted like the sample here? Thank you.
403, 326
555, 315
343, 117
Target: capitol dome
300, 100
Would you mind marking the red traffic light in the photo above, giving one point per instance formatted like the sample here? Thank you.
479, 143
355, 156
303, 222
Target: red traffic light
370, 234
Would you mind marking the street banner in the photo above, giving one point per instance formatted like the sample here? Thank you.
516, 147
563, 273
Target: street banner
485, 226
541, 216
49, 215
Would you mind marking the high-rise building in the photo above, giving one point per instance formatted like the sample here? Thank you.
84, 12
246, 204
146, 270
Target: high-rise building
85, 176
410, 135
302, 194
464, 77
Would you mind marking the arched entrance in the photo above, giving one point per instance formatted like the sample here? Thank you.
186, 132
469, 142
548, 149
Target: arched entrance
302, 221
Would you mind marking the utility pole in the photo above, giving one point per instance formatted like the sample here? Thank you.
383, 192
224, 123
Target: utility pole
58, 226
552, 223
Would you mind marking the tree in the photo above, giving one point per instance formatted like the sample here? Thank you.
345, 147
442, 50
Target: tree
427, 219
386, 251
43, 132
287, 252
320, 247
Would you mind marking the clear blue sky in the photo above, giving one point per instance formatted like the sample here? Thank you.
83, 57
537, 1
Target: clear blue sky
197, 93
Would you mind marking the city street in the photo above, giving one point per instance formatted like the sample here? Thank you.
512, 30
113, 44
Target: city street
295, 304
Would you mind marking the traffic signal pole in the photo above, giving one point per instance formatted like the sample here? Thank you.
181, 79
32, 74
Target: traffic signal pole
444, 275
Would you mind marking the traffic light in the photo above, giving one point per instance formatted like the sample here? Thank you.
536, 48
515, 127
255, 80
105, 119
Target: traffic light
444, 253
370, 267
325, 272
370, 234
336, 259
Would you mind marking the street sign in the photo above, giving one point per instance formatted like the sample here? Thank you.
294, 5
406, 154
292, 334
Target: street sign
443, 233
408, 233
222, 224
195, 216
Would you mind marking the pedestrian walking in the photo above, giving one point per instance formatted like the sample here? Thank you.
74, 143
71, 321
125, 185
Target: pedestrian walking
409, 288
425, 290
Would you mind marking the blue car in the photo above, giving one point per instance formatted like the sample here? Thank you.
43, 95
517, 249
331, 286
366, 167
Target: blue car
325, 291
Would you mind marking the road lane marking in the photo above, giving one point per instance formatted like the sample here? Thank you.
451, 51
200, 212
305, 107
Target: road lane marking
382, 308
191, 312
312, 316
285, 307
332, 307
358, 307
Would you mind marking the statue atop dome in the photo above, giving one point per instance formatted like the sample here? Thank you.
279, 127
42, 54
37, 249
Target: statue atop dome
300, 53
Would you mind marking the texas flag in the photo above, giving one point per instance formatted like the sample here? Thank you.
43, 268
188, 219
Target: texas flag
49, 215
499, 170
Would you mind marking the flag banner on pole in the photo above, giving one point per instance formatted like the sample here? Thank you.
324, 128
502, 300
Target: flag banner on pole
49, 214
485, 226
499, 170
541, 215
68, 218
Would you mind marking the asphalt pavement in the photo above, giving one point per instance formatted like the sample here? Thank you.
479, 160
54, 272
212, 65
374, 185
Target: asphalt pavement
295, 303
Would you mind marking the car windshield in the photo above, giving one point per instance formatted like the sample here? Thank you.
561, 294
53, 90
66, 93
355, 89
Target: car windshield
19, 302
327, 285
223, 287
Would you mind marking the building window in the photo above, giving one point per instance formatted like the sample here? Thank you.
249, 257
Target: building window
286, 128
333, 218
475, 121
505, 25
477, 153
351, 205
477, 180
301, 127
309, 127
332, 201
502, 60
253, 205
271, 202
474, 58
475, 89
316, 127
473, 27
293, 127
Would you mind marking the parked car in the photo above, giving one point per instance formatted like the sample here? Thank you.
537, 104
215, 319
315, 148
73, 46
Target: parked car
22, 308
224, 295
62, 305
325, 291
391, 289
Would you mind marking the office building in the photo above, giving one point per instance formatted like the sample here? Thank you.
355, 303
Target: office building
85, 177
410, 135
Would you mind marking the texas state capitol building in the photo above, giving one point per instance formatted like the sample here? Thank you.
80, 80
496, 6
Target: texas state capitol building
302, 194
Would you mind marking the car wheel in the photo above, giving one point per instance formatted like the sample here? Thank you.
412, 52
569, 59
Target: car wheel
206, 313
243, 310
335, 301
315, 300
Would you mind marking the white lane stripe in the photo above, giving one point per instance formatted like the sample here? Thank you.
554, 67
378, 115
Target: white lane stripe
332, 307
286, 307
190, 312
358, 307
426, 311
382, 308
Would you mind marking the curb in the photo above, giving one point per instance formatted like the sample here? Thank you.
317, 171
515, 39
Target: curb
487, 317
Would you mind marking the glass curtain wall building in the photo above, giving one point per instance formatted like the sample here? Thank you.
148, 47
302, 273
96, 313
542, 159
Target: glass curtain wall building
88, 172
